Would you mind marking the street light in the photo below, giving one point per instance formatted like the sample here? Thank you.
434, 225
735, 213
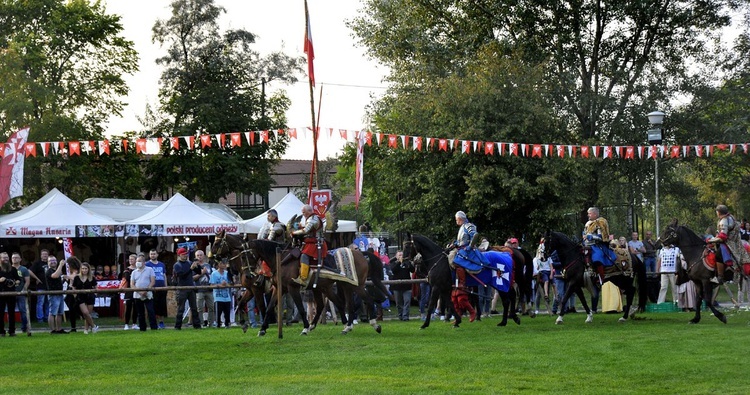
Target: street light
656, 118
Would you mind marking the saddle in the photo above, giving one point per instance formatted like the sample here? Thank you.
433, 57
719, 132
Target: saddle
623, 264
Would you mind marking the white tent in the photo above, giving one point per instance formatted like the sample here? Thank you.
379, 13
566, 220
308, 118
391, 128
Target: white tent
124, 210
179, 217
55, 215
287, 207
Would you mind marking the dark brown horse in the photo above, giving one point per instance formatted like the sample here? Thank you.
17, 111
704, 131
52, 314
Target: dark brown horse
692, 247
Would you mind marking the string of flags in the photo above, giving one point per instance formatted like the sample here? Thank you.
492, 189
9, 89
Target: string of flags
152, 146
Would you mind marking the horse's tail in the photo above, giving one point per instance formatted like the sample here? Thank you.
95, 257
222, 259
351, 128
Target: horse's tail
375, 272
639, 268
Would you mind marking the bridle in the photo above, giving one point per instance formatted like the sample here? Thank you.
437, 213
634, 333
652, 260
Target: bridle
428, 263
244, 254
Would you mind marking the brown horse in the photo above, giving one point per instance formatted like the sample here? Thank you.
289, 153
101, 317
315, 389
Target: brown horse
692, 247
266, 250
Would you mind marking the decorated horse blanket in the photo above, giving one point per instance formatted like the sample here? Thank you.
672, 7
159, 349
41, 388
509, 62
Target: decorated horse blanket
492, 268
339, 266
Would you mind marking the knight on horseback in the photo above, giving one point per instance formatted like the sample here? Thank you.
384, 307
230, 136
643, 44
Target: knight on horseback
273, 230
728, 242
466, 233
314, 245
596, 241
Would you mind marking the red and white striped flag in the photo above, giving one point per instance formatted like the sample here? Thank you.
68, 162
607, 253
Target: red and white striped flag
11, 167
359, 169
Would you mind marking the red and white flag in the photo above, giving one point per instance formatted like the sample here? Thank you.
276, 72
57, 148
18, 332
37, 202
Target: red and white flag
359, 169
309, 47
319, 200
11, 167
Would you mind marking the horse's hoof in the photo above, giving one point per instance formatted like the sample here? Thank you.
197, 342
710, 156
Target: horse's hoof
455, 325
347, 329
502, 323
311, 328
723, 319
244, 328
517, 319
622, 320
304, 332
378, 329
559, 320
589, 318
261, 333
532, 314
423, 326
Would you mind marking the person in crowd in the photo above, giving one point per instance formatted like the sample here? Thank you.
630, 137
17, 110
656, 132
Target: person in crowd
311, 233
273, 229
23, 286
666, 265
745, 230
114, 274
205, 297
424, 291
560, 287
222, 296
635, 246
596, 238
71, 268
685, 291
85, 301
649, 254
42, 301
107, 274
402, 270
99, 274
143, 277
9, 280
160, 297
543, 268
54, 277
183, 270
362, 242
130, 313
729, 245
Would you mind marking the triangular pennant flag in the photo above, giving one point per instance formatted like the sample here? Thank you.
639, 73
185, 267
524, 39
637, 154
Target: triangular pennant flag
104, 147
205, 140
392, 141
342, 133
722, 147
222, 139
368, 137
124, 145
465, 146
45, 148
404, 141
501, 149
572, 151
685, 151
630, 152
75, 148
514, 149
732, 148
379, 138
140, 146
561, 151
585, 151
745, 147
190, 142
250, 136
709, 150
174, 143
674, 151
641, 149
452, 143
524, 150
442, 144
430, 142
475, 144
91, 146
417, 141
607, 152
546, 149
536, 151
30, 149
235, 140
292, 133
596, 149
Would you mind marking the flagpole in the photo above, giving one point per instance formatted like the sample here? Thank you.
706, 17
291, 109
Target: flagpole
311, 83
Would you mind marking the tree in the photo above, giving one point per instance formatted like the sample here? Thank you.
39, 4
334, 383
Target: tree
62, 65
598, 67
214, 82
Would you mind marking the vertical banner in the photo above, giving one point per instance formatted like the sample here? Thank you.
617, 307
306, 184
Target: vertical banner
11, 167
319, 200
359, 169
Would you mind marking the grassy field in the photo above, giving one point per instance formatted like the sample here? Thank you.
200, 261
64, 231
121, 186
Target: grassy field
657, 354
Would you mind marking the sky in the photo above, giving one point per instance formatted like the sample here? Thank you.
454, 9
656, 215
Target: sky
347, 77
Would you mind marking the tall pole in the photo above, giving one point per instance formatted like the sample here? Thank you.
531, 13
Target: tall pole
656, 186
314, 167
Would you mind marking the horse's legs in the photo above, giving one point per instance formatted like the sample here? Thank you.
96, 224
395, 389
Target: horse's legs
563, 305
710, 303
446, 295
434, 295
505, 297
629, 310
297, 298
269, 310
589, 315
241, 306
319, 306
369, 307
699, 289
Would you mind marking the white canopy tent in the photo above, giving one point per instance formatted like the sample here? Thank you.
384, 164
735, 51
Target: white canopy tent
287, 207
55, 215
124, 210
179, 217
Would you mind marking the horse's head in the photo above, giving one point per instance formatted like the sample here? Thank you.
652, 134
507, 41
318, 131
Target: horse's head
670, 236
220, 247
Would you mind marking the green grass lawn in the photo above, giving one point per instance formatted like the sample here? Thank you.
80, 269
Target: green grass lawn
659, 353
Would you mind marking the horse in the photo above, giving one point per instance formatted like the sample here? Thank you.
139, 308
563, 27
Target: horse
572, 258
434, 263
693, 247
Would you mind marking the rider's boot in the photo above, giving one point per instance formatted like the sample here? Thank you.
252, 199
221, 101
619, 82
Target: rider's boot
304, 271
720, 272
600, 271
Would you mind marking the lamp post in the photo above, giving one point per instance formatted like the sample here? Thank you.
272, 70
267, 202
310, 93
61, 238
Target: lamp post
656, 119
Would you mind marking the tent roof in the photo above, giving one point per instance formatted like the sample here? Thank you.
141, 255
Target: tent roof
54, 215
179, 210
125, 210
287, 207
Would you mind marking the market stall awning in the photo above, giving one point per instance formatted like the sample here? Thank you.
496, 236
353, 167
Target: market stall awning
179, 217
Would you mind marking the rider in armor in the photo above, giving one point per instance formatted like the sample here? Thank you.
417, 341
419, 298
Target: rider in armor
273, 230
596, 237
466, 232
728, 240
311, 232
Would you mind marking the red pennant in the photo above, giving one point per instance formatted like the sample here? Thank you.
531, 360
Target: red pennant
418, 143
465, 146
174, 142
140, 146
75, 148
489, 148
104, 147
124, 145
264, 136
235, 139
342, 133
630, 152
30, 149
92, 145
674, 151
514, 149
585, 151
536, 150
292, 133
561, 151
205, 140
392, 141
443, 145
368, 137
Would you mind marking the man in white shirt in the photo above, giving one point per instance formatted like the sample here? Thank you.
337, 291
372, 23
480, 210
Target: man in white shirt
666, 266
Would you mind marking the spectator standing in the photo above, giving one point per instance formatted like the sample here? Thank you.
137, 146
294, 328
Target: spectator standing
39, 268
685, 291
141, 277
560, 287
635, 246
85, 301
56, 302
72, 266
127, 297
183, 270
402, 270
745, 230
204, 297
543, 268
649, 254
666, 266
160, 297
23, 286
222, 296
9, 279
